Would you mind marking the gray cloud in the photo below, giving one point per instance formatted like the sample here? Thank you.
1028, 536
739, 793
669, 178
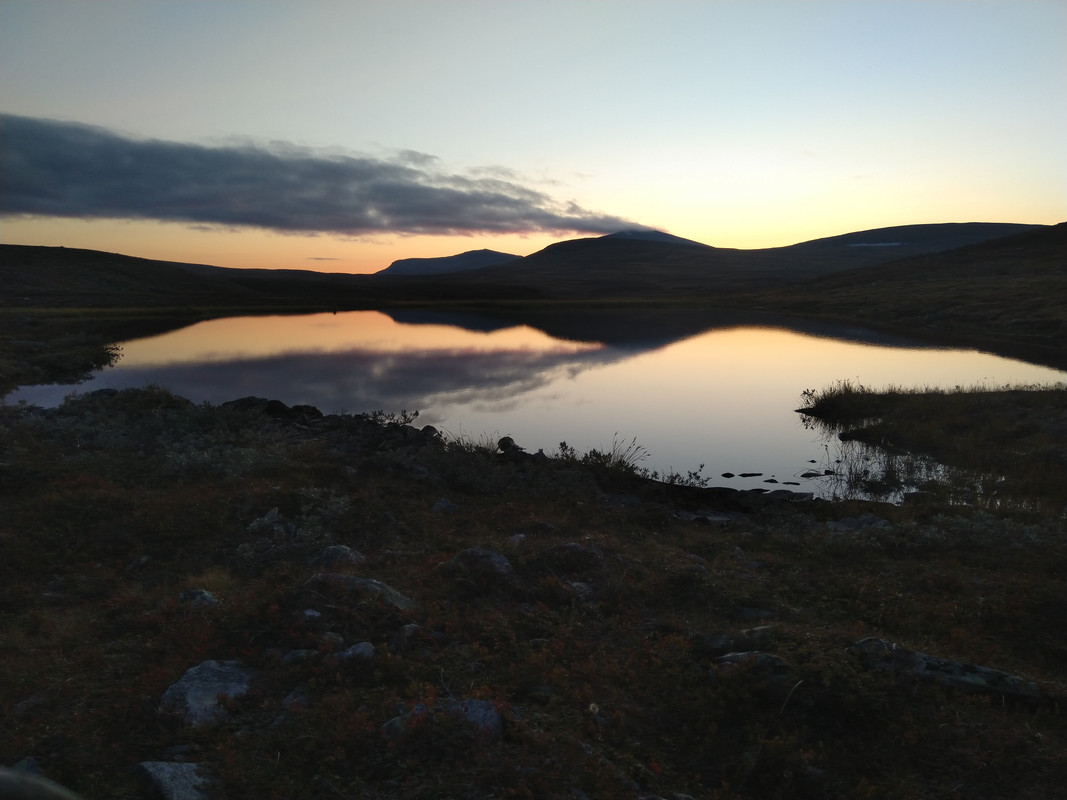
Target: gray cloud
64, 169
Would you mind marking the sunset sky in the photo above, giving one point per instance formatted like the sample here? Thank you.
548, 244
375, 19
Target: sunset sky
340, 136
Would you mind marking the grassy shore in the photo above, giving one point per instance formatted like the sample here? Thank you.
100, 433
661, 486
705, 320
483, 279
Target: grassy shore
620, 637
981, 446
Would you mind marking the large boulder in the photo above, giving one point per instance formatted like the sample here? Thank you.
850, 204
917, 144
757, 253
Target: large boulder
174, 781
195, 696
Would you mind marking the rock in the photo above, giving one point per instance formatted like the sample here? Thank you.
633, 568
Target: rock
298, 699
272, 524
306, 413
367, 588
478, 567
762, 662
582, 590
337, 555
195, 696
444, 506
411, 636
399, 725
482, 714
198, 598
772, 675
174, 781
704, 515
20, 785
260, 405
889, 657
857, 523
507, 445
749, 614
364, 651
332, 640
571, 557
299, 657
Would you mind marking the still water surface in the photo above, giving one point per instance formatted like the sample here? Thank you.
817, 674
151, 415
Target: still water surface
721, 396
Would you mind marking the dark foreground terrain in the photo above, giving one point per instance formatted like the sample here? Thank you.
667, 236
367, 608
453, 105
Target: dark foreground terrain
263, 602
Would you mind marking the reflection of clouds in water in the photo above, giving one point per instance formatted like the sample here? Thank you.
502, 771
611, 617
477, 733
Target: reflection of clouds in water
360, 380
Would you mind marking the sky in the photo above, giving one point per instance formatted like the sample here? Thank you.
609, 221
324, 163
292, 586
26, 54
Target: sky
341, 136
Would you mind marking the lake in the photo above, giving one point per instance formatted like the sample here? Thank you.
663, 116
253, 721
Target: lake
691, 388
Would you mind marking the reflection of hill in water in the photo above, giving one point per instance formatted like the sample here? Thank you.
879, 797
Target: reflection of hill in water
365, 380
646, 329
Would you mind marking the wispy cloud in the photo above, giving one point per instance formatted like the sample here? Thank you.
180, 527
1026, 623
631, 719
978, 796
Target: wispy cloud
65, 169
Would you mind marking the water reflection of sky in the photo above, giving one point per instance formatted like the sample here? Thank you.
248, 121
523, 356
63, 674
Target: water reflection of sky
724, 398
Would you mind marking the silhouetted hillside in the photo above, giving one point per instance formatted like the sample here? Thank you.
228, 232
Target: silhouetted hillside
1010, 289
472, 259
616, 267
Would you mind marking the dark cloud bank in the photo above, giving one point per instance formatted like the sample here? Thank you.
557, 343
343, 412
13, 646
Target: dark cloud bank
52, 168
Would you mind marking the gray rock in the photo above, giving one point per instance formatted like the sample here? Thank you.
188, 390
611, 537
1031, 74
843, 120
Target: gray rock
299, 656
582, 590
444, 506
399, 725
365, 588
767, 663
482, 714
195, 696
889, 657
480, 570
173, 781
362, 651
20, 785
198, 598
413, 636
475, 559
296, 699
337, 555
867, 520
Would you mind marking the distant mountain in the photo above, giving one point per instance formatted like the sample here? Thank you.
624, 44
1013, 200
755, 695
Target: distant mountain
472, 259
903, 241
654, 264
649, 235
1010, 289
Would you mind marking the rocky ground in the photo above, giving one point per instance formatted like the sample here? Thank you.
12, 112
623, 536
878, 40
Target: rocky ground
254, 601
